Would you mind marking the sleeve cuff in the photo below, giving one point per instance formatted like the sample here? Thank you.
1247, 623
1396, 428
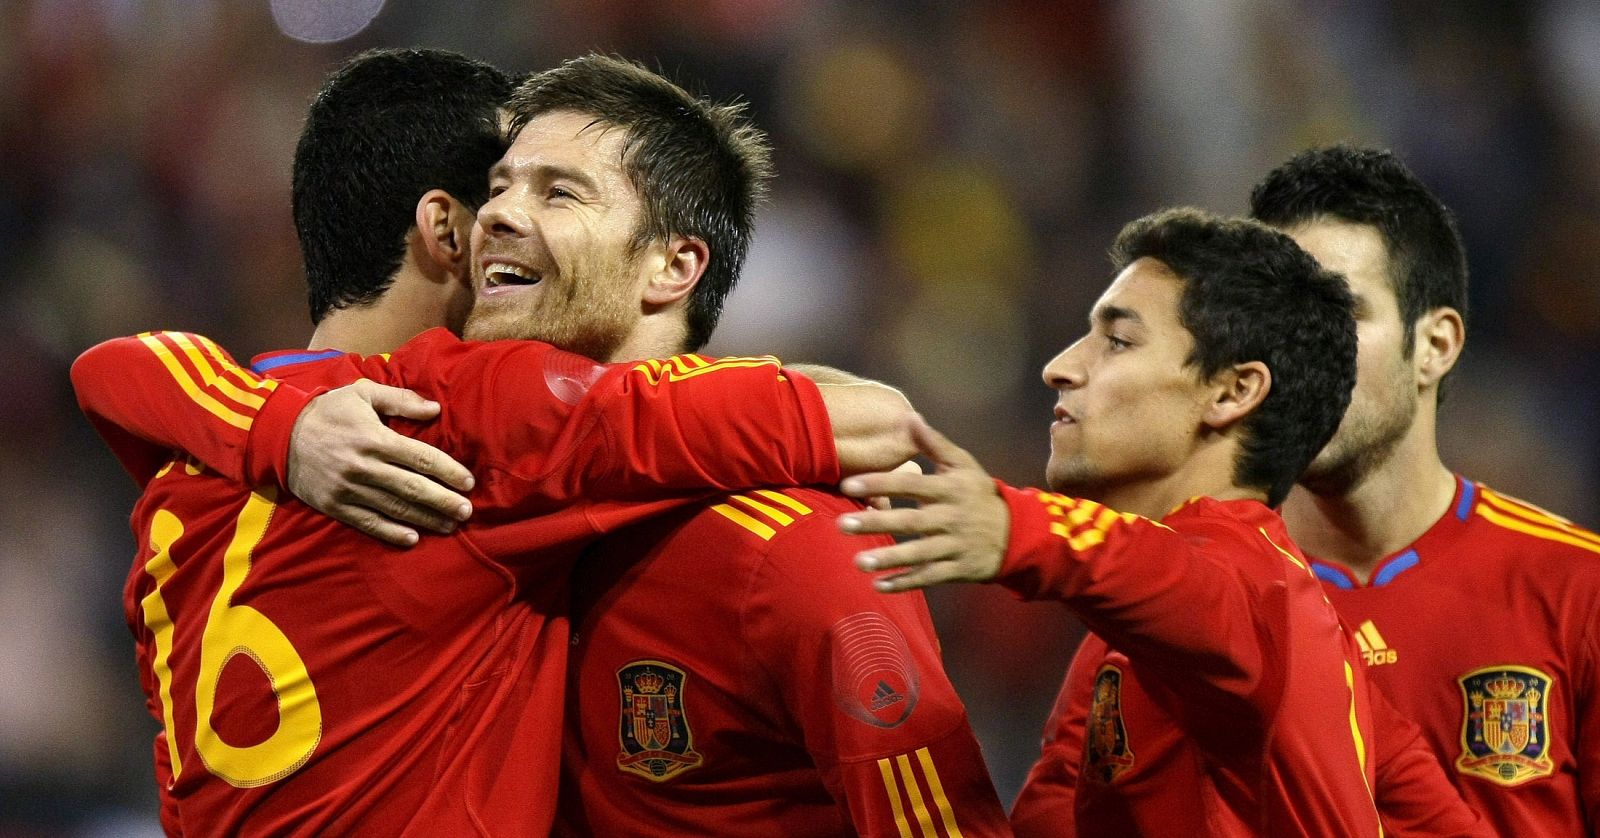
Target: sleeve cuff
1027, 557
823, 467
266, 453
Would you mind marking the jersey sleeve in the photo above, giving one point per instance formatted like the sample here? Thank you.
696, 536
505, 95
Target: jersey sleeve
1413, 795
159, 392
1047, 804
1136, 583
861, 675
542, 428
1587, 691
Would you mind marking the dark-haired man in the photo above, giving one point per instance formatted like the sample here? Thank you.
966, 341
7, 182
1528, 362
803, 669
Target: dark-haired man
308, 683
730, 674
1476, 612
1223, 696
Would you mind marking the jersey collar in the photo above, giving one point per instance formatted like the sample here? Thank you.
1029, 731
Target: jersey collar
1426, 545
267, 361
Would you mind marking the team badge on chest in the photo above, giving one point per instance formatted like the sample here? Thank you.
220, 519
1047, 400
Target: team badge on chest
1505, 730
656, 742
1106, 754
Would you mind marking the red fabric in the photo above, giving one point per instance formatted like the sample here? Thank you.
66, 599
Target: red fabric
799, 686
1226, 699
1497, 583
438, 689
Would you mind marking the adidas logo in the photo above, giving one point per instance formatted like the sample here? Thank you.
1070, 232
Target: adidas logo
1374, 649
884, 696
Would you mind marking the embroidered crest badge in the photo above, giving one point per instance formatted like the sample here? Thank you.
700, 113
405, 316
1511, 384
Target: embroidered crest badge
1106, 754
1505, 729
656, 741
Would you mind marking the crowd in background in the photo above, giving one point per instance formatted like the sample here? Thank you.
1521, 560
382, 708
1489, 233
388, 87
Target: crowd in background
949, 176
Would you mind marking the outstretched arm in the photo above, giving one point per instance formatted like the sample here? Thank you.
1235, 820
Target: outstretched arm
163, 392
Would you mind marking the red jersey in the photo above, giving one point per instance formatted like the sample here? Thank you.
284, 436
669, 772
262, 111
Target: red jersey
310, 680
1486, 632
1224, 697
745, 679
1414, 797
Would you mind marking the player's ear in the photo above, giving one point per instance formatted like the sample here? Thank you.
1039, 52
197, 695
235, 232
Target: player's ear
1236, 393
1440, 336
675, 266
444, 228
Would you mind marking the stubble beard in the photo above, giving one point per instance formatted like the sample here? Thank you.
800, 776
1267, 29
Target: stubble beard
587, 315
1366, 445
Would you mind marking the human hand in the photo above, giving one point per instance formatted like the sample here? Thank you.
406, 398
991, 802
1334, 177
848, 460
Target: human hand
345, 463
959, 529
885, 502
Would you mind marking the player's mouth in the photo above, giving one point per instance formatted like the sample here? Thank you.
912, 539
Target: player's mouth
1063, 418
500, 277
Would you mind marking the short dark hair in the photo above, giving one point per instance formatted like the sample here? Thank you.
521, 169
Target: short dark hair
1251, 294
701, 168
384, 129
1427, 263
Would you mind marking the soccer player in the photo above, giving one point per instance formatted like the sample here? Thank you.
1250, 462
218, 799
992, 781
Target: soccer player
1478, 614
1224, 697
731, 674
306, 681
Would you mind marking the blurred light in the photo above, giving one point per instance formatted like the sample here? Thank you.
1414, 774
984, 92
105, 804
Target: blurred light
859, 105
953, 223
324, 21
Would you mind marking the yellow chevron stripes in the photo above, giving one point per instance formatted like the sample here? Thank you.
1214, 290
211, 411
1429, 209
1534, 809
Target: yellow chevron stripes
900, 775
187, 383
762, 518
1076, 513
1531, 520
680, 367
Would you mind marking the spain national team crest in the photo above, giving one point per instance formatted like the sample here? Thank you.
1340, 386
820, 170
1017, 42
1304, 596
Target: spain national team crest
1106, 754
1505, 733
656, 742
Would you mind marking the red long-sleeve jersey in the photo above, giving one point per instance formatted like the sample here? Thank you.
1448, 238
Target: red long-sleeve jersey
744, 679
1224, 696
1486, 632
1414, 798
312, 681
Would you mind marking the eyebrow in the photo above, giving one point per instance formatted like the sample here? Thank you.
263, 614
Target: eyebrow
548, 171
1106, 315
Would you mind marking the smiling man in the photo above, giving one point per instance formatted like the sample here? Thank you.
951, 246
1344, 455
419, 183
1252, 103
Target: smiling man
308, 680
1221, 693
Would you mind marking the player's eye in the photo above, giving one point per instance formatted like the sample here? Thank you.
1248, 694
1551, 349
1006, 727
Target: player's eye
1117, 344
560, 192
495, 191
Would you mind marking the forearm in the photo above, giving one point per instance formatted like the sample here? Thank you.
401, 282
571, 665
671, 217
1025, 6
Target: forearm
871, 420
170, 391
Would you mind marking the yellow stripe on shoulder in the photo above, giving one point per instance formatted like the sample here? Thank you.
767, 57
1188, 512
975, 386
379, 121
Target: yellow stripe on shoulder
763, 511
1561, 535
1537, 515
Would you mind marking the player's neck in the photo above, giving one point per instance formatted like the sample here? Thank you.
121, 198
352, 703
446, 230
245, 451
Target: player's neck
653, 337
1208, 473
1388, 509
409, 307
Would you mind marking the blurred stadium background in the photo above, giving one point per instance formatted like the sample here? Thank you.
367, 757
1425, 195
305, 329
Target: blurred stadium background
950, 174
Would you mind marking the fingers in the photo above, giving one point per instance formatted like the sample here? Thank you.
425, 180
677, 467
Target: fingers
922, 576
426, 460
938, 447
396, 401
373, 524
934, 548
408, 498
919, 521
925, 488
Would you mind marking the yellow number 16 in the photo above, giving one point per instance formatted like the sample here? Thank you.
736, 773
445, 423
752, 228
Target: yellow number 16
234, 630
